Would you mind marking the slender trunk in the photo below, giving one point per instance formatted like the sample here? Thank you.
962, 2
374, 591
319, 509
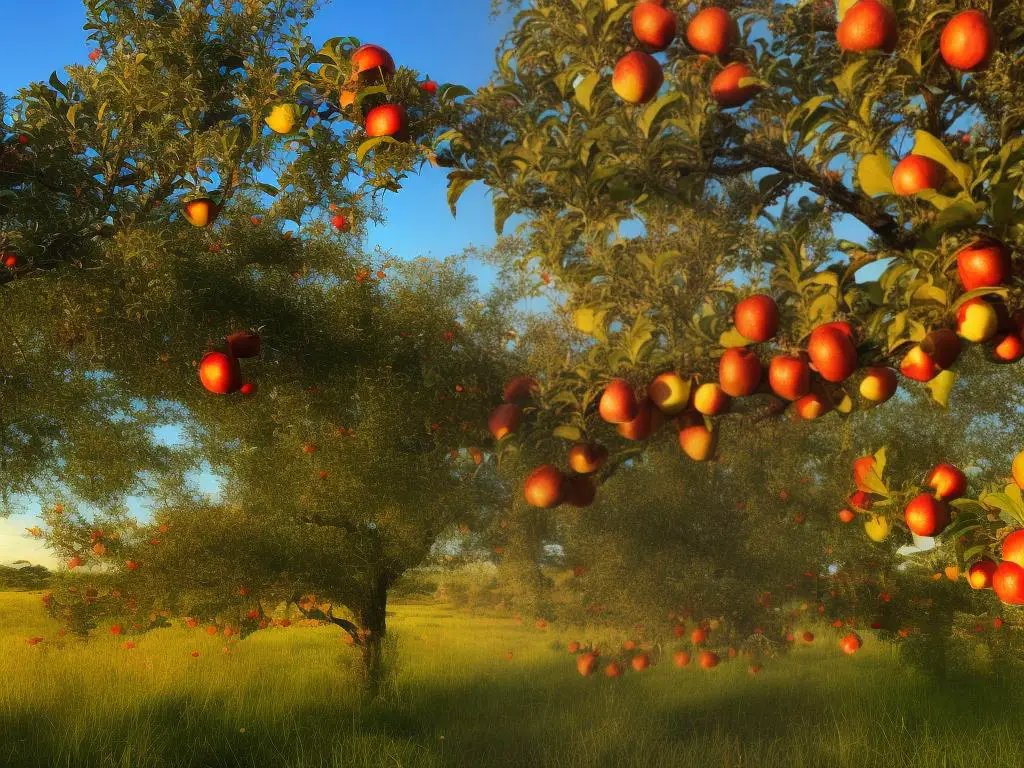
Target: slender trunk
373, 628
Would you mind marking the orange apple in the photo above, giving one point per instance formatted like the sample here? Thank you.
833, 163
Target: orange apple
947, 481
653, 25
696, 440
1008, 348
681, 659
926, 516
739, 372
915, 173
968, 41
710, 400
712, 32
708, 660
789, 376
832, 352
586, 663
200, 212
219, 373
544, 487
587, 458
757, 318
812, 405
618, 403
980, 574
868, 26
727, 90
637, 77
878, 384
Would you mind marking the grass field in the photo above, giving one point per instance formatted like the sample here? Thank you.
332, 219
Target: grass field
289, 697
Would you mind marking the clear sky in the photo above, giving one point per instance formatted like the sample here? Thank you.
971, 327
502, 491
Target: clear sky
447, 40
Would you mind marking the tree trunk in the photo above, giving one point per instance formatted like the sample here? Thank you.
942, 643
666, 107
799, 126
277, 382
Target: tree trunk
373, 628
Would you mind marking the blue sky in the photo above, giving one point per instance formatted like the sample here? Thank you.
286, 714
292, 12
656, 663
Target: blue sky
447, 40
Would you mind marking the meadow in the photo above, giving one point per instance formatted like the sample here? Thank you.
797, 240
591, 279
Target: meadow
290, 697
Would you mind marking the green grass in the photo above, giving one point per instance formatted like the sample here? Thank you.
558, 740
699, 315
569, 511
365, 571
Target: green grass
289, 697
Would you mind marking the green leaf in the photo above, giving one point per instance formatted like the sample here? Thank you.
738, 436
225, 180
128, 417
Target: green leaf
929, 146
585, 90
367, 146
451, 92
874, 174
846, 80
650, 114
568, 432
733, 338
941, 386
458, 181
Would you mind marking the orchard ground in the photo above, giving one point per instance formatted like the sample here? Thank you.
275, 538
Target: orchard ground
290, 697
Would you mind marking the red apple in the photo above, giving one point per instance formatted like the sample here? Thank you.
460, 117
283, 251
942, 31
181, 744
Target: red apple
1013, 548
832, 352
712, 31
341, 223
520, 389
757, 317
641, 662
947, 481
637, 77
681, 659
812, 405
708, 660
850, 643
878, 384
219, 373
789, 377
726, 88
244, 344
387, 120
579, 491
926, 516
586, 663
1008, 583
696, 440
371, 62
915, 173
847, 516
653, 25
587, 458
739, 372
504, 420
618, 403
1008, 348
980, 574
544, 487
984, 263
868, 26
614, 669
200, 212
698, 636
863, 467
968, 41
647, 422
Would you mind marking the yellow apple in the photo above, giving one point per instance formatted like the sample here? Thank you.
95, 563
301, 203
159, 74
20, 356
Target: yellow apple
878, 528
977, 321
670, 392
283, 118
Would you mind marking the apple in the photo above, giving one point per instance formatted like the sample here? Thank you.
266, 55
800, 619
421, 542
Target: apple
618, 403
938, 351
980, 574
587, 458
968, 41
544, 487
832, 352
641, 662
712, 32
851, 642
710, 400
371, 62
637, 77
812, 405
846, 516
200, 212
283, 118
8, 259
983, 263
1008, 348
614, 669
1018, 469
670, 392
648, 420
629, 645
653, 25
926, 516
915, 173
947, 481
1008, 583
878, 384
1013, 547
696, 440
579, 491
428, 86
757, 318
586, 663
708, 660
726, 89
789, 376
863, 467
341, 223
807, 637
248, 389
219, 373
504, 420
520, 389
976, 320
387, 120
243, 344
573, 647
878, 528
739, 372
698, 636
681, 659
868, 26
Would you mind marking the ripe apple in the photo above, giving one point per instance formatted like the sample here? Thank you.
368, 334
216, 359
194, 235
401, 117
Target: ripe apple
739, 372
926, 516
726, 89
648, 420
696, 440
868, 26
653, 25
219, 373
641, 662
573, 647
520, 389
1018, 469
878, 384
614, 669
789, 377
248, 389
710, 400
863, 467
878, 528
947, 481
8, 259
979, 575
504, 420
341, 223
698, 636
846, 516
243, 344
851, 642
983, 263
200, 212
708, 660
1008, 583
618, 403
637, 77
670, 392
579, 491
807, 637
968, 41
712, 32
387, 120
283, 118
428, 86
812, 405
544, 487
586, 663
915, 173
938, 351
832, 352
976, 320
1013, 548
757, 318
587, 458
1008, 348
370, 62
681, 659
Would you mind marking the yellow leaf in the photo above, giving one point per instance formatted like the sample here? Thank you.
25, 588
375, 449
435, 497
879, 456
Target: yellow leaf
941, 386
874, 173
